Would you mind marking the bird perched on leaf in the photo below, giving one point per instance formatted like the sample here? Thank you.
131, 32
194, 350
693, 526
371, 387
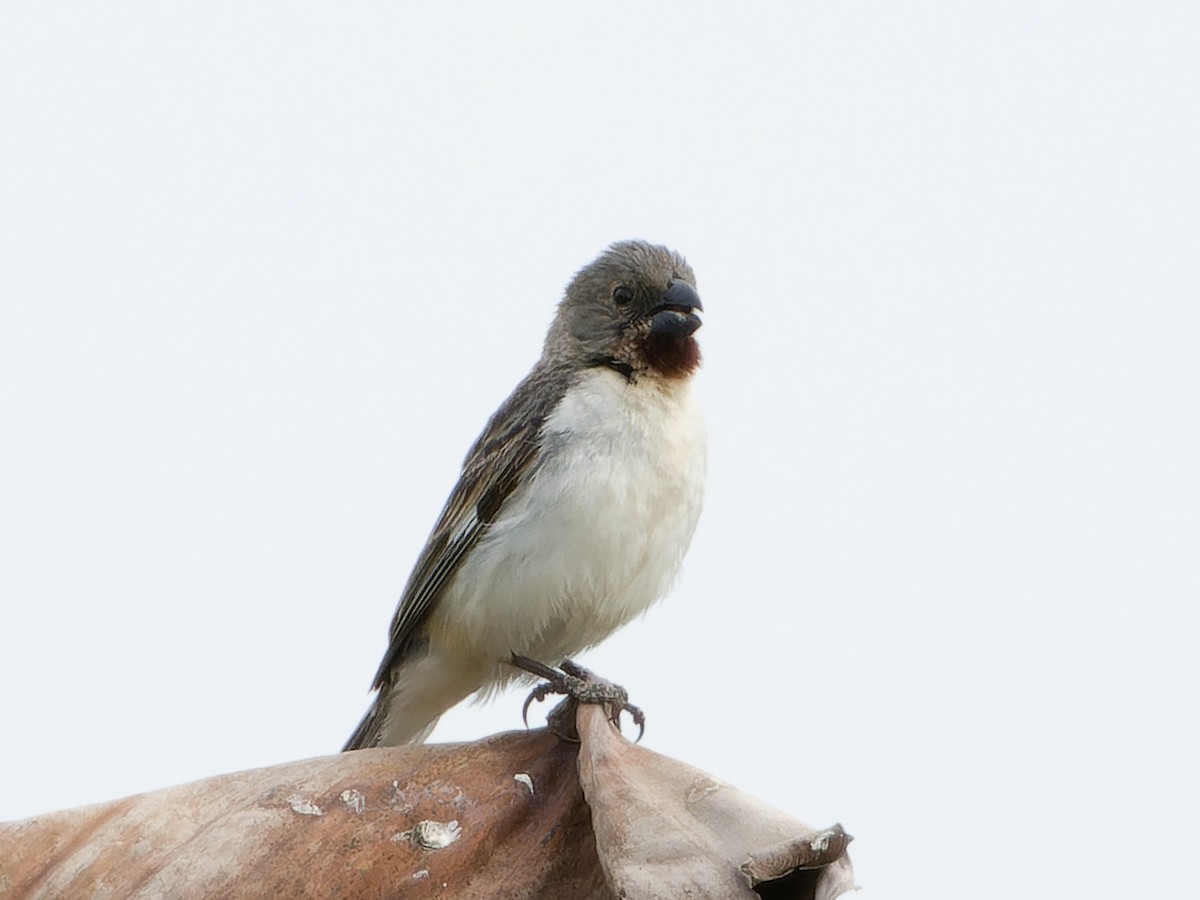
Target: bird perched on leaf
575, 506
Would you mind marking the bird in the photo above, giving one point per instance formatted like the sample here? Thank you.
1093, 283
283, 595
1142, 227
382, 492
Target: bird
575, 505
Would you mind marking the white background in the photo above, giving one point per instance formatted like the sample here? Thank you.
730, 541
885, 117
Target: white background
267, 268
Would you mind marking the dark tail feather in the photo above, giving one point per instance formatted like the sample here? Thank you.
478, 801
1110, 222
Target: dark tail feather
367, 732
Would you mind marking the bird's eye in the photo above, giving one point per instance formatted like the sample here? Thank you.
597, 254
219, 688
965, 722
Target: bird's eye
622, 295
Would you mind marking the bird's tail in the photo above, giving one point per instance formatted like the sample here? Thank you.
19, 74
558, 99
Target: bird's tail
369, 732
411, 701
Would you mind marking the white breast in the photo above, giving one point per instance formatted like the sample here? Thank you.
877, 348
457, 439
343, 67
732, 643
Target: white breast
598, 533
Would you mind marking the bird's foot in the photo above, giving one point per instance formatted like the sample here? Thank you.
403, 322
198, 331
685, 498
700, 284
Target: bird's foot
578, 685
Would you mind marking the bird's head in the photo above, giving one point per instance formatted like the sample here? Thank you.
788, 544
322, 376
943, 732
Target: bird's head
634, 308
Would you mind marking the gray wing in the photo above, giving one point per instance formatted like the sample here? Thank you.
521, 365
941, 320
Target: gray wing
501, 458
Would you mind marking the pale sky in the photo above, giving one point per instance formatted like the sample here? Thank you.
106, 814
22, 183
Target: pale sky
267, 268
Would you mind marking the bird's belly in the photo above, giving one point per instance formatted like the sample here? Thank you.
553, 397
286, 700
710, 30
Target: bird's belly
595, 537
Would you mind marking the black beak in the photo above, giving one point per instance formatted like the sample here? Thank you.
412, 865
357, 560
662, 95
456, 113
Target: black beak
675, 315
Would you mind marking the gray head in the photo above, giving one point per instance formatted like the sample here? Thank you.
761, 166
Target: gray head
634, 309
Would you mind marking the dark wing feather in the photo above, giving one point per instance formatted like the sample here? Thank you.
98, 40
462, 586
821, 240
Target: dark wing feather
502, 457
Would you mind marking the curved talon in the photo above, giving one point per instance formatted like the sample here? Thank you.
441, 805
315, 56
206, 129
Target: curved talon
578, 685
539, 694
639, 719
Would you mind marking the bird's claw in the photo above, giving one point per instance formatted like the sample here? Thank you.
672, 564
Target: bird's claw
539, 693
578, 685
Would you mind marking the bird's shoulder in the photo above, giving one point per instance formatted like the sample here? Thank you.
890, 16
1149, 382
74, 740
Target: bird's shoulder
512, 435
499, 460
